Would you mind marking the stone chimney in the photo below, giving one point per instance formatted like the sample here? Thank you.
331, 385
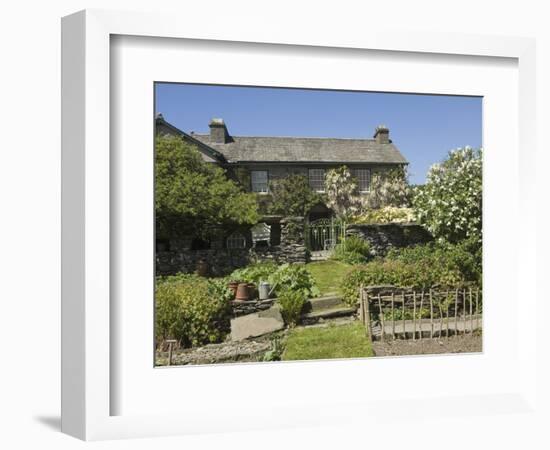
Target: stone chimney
218, 132
382, 134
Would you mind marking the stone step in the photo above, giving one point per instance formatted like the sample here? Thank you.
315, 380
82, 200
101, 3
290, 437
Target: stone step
327, 301
329, 313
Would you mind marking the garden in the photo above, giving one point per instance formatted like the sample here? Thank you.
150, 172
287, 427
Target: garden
271, 311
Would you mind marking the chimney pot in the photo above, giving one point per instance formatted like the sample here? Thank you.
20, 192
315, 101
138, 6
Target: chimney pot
382, 134
218, 131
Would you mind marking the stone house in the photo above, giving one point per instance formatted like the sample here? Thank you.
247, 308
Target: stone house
263, 159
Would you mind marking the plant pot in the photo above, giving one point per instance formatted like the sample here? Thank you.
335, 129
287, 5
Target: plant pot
202, 268
242, 293
232, 285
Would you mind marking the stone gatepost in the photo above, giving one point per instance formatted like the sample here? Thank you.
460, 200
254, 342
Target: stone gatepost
293, 248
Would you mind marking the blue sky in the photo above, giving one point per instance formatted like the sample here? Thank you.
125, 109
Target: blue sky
423, 127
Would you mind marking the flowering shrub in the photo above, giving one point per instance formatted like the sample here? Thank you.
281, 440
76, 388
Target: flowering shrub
389, 188
449, 204
387, 214
342, 192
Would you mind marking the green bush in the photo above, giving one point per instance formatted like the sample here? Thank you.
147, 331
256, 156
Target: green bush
191, 309
254, 273
292, 303
295, 278
353, 250
419, 267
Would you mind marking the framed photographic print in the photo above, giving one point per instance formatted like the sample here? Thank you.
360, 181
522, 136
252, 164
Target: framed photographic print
245, 248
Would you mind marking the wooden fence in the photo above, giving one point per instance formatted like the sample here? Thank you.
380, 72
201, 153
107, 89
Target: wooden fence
393, 312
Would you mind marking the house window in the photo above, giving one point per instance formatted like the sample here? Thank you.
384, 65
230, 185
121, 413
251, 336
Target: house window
363, 179
259, 181
317, 179
236, 240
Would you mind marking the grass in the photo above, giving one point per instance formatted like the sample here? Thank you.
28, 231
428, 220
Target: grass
328, 275
342, 341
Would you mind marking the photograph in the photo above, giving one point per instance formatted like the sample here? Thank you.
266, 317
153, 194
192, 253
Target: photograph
310, 224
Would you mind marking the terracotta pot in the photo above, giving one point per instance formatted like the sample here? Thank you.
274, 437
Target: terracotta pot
242, 292
232, 285
202, 268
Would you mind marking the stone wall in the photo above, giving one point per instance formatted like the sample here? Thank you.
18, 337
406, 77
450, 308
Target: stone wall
383, 237
222, 261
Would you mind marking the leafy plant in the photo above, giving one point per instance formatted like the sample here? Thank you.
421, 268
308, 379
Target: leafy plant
193, 197
254, 273
275, 352
450, 203
292, 303
420, 266
191, 309
295, 278
352, 250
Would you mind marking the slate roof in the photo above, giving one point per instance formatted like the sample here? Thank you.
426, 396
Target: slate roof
261, 149
300, 149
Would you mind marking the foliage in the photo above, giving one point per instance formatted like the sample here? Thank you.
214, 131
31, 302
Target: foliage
420, 267
292, 303
387, 214
295, 278
352, 250
292, 196
254, 273
389, 188
193, 196
342, 192
343, 341
449, 204
275, 352
191, 309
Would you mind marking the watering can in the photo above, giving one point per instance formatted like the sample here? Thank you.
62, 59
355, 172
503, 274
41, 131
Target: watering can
265, 290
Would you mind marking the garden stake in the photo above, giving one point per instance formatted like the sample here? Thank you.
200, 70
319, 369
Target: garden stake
431, 315
170, 342
381, 316
414, 316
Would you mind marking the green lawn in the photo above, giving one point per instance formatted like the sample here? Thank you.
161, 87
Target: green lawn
342, 341
328, 274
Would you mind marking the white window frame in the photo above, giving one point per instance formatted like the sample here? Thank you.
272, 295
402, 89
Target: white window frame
253, 182
233, 238
356, 174
313, 178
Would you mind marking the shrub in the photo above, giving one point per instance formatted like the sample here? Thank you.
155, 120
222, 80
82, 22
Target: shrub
295, 278
450, 203
292, 196
388, 214
254, 273
191, 309
419, 267
353, 250
292, 303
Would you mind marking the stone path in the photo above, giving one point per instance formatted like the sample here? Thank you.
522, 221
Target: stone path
257, 324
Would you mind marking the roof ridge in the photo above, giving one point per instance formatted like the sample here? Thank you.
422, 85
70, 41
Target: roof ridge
293, 137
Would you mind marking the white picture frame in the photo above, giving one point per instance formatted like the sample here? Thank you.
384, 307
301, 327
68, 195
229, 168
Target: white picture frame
90, 324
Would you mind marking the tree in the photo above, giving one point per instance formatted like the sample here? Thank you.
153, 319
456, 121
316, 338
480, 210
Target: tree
292, 196
389, 188
193, 196
342, 192
449, 204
